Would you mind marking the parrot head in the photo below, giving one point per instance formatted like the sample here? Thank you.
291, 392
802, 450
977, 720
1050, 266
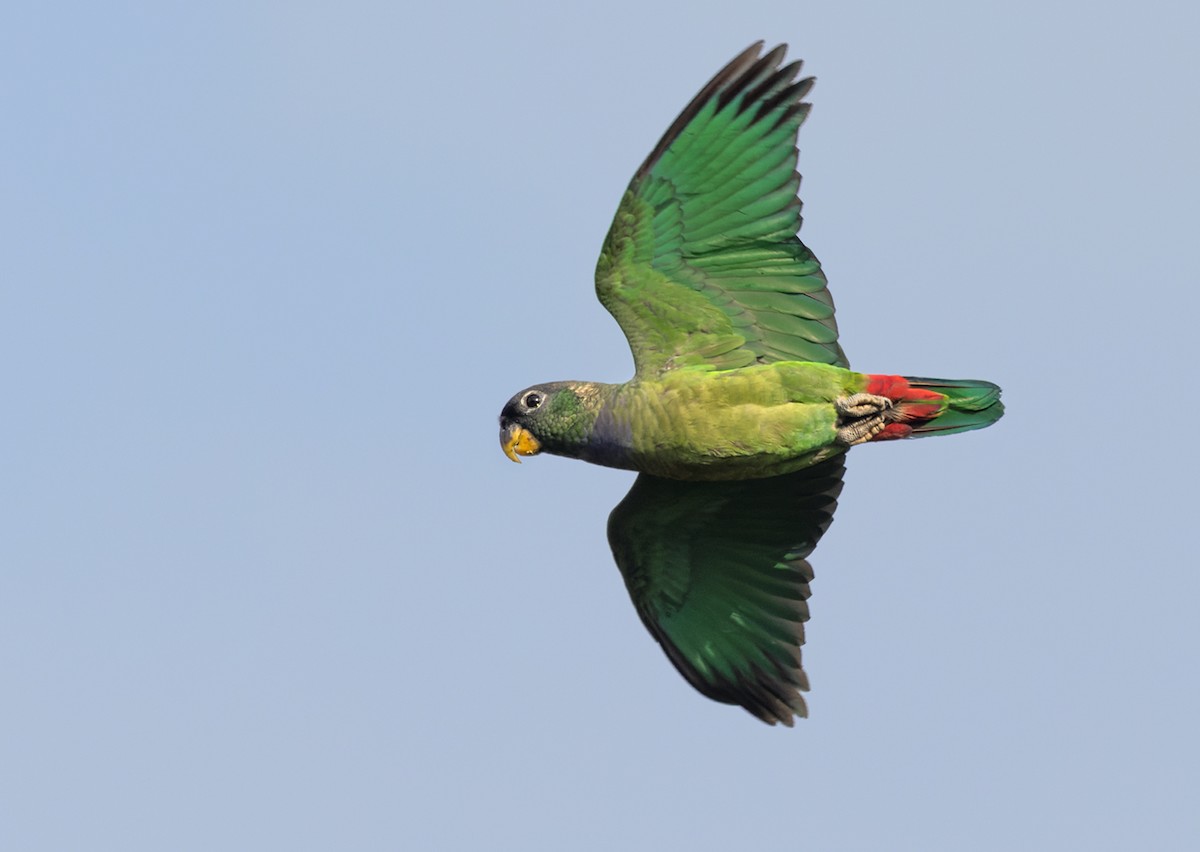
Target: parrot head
554, 417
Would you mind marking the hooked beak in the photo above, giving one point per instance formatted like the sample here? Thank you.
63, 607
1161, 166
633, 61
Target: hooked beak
518, 441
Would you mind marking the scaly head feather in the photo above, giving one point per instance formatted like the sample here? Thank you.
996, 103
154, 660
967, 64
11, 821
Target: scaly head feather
556, 417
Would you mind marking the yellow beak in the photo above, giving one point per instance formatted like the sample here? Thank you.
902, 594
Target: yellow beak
518, 441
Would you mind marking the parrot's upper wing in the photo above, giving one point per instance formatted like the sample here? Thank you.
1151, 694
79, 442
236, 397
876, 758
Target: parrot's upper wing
718, 573
702, 265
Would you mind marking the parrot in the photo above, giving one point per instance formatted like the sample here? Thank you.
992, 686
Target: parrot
742, 405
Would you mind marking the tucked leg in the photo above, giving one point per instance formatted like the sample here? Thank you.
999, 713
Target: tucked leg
861, 405
861, 417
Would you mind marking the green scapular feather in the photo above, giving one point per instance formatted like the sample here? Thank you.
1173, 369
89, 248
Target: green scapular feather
742, 405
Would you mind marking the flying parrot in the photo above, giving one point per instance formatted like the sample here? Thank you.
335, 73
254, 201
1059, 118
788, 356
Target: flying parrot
742, 404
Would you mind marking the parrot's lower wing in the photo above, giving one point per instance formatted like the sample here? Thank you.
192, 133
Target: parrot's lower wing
718, 573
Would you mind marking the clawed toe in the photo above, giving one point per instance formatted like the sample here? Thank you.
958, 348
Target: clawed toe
862, 405
861, 417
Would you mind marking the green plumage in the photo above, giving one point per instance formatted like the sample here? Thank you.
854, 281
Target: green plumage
718, 573
742, 403
970, 404
753, 422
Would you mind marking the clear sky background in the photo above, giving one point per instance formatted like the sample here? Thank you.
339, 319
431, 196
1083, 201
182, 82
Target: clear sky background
268, 272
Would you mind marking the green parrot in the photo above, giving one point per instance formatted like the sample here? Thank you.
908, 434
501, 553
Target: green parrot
742, 404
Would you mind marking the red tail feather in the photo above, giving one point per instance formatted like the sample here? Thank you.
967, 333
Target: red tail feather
913, 407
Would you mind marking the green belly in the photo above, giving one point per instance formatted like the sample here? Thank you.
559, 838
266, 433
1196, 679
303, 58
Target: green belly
738, 424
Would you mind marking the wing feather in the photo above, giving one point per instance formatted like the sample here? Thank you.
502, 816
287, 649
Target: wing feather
702, 266
718, 572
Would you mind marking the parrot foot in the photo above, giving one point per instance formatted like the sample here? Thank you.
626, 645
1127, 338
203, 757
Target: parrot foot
861, 417
862, 405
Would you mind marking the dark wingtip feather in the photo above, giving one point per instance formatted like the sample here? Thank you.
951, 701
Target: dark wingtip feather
776, 81
750, 79
748, 72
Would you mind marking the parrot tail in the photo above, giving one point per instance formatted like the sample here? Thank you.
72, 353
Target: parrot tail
923, 407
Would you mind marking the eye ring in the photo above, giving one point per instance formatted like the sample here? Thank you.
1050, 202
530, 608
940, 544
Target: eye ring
532, 400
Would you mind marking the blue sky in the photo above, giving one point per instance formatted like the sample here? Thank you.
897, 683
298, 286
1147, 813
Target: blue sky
266, 581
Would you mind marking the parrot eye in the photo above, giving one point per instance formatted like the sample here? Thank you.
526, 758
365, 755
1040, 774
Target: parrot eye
532, 400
